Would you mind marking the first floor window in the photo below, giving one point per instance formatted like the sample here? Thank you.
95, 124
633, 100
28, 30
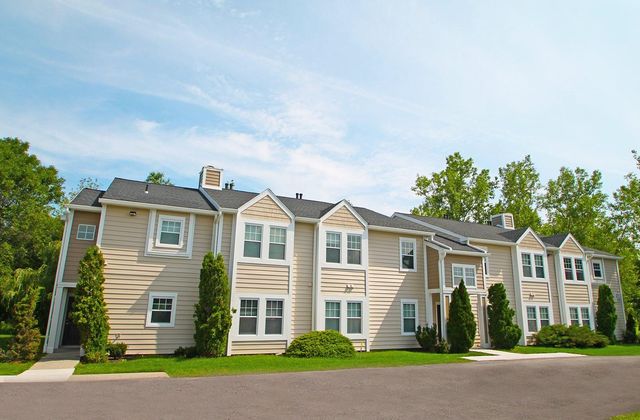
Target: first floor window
586, 317
86, 232
568, 268
407, 254
277, 242
333, 247
574, 314
354, 318
580, 315
332, 316
248, 317
527, 270
544, 316
597, 269
161, 310
273, 319
537, 317
409, 318
354, 249
170, 231
532, 319
252, 240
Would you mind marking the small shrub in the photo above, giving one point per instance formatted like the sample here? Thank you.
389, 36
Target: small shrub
552, 336
630, 333
461, 327
117, 350
561, 336
606, 317
95, 357
427, 337
188, 352
321, 344
504, 333
584, 337
442, 347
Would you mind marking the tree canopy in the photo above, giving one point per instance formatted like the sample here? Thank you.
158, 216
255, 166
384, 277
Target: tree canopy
519, 183
158, 178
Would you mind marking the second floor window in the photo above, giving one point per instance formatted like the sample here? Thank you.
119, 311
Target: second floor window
86, 232
170, 232
277, 242
539, 261
466, 273
533, 265
252, 240
573, 269
407, 254
354, 249
597, 270
568, 268
527, 269
333, 247
579, 269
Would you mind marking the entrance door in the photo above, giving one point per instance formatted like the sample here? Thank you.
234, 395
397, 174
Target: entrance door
439, 318
70, 334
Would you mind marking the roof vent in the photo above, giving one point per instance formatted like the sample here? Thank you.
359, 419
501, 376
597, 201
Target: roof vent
231, 184
503, 220
298, 196
146, 189
211, 177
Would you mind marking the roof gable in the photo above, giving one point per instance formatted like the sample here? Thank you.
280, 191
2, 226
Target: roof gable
343, 214
267, 206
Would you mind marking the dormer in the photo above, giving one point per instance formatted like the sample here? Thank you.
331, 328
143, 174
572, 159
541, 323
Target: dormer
211, 177
503, 220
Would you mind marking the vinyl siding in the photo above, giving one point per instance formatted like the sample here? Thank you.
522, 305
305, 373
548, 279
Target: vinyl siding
555, 298
344, 218
262, 278
302, 280
266, 208
258, 347
571, 247
501, 270
613, 280
539, 290
432, 268
212, 177
459, 259
529, 242
576, 293
156, 231
387, 287
227, 239
360, 344
335, 281
130, 276
77, 247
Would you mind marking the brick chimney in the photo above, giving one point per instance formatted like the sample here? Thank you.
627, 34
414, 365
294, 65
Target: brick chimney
211, 177
503, 220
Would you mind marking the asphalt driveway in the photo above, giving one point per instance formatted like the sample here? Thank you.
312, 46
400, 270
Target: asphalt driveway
581, 388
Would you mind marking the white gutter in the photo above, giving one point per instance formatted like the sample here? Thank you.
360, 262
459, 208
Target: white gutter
91, 209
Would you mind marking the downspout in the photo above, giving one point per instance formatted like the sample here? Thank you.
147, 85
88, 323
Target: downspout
562, 301
315, 301
443, 303
516, 263
427, 296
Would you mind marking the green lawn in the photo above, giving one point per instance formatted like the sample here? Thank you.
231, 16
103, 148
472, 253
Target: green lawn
628, 416
611, 350
236, 365
11, 368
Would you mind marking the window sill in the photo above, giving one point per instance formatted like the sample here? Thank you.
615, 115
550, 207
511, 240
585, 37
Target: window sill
165, 254
247, 337
160, 326
264, 261
406, 270
343, 266
534, 279
578, 282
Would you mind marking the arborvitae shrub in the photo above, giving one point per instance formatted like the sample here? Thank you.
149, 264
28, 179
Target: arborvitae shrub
427, 337
327, 343
90, 310
212, 315
606, 317
461, 327
503, 332
25, 344
630, 333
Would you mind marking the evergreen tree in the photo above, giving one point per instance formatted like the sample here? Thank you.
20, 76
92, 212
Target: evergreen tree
90, 310
461, 327
606, 316
631, 333
25, 345
503, 332
212, 315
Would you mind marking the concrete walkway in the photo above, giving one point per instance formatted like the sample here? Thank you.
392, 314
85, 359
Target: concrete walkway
54, 367
497, 355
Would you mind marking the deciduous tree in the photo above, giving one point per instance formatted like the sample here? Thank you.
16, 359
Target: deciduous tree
519, 183
158, 178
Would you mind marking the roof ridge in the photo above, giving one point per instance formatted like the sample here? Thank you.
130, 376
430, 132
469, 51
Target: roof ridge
160, 185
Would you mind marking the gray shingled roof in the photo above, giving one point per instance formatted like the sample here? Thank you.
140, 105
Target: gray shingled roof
454, 244
597, 251
168, 195
555, 240
472, 230
88, 197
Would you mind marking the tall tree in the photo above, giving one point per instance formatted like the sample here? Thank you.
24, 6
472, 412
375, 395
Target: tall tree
519, 183
158, 178
29, 193
86, 182
459, 192
574, 202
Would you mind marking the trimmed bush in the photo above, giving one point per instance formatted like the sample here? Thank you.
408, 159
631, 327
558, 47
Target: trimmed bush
461, 327
212, 316
442, 346
25, 344
321, 344
561, 336
503, 332
631, 333
427, 337
187, 352
90, 310
117, 350
606, 317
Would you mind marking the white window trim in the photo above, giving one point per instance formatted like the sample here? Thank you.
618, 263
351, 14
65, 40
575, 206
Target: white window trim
93, 235
244, 239
166, 252
580, 306
153, 295
532, 254
349, 249
408, 302
262, 317
167, 218
464, 275
286, 245
341, 248
538, 322
415, 255
585, 270
344, 232
243, 221
601, 262
344, 300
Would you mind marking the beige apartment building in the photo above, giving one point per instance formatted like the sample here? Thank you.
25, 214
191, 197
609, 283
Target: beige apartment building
297, 265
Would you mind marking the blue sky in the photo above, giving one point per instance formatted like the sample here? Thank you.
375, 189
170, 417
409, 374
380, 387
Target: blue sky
330, 98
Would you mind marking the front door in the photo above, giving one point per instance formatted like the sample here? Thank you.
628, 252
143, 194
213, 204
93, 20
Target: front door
439, 317
70, 334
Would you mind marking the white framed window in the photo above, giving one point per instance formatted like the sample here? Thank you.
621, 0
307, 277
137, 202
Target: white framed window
539, 263
161, 309
273, 317
277, 242
332, 315
354, 249
573, 268
248, 324
538, 316
579, 269
409, 316
464, 272
354, 317
568, 268
527, 268
580, 315
333, 247
170, 231
86, 232
598, 269
407, 254
585, 316
252, 240
574, 315
533, 265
